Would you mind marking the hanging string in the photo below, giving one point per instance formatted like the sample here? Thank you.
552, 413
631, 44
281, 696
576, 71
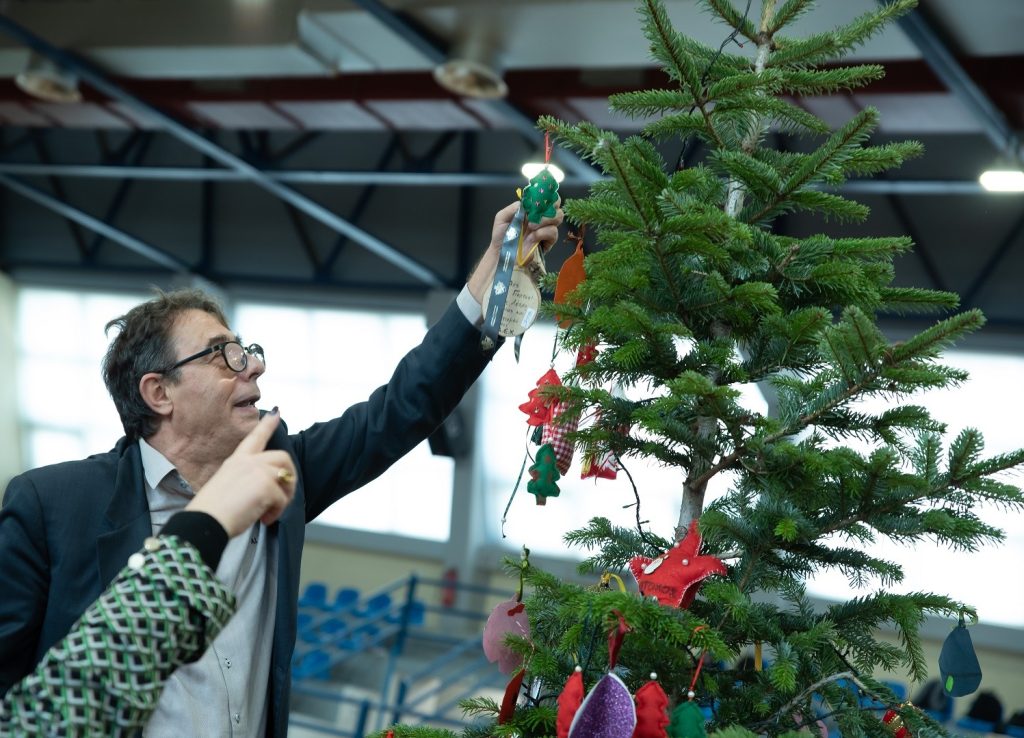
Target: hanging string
700, 664
547, 146
526, 456
636, 493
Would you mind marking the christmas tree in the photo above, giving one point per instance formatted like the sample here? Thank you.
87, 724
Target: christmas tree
690, 295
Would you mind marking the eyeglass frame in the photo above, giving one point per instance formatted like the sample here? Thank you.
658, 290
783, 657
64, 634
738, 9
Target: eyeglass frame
251, 350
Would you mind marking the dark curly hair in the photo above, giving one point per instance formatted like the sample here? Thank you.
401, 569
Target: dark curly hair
143, 344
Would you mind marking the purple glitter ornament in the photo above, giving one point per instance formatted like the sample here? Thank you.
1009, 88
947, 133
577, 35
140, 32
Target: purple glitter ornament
607, 712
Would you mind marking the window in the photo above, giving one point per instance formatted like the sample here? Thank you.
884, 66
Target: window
65, 410
321, 361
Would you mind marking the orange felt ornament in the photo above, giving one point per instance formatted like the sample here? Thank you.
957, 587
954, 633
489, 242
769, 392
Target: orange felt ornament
569, 278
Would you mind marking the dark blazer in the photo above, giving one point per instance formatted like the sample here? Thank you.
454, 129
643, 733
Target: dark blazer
66, 530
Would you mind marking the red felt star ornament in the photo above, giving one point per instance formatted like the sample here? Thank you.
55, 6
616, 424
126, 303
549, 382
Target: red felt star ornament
675, 576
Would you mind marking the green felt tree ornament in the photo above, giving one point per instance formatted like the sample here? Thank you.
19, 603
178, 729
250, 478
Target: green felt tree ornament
687, 721
544, 474
540, 196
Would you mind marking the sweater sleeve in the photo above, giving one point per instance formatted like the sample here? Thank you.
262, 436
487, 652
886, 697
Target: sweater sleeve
106, 676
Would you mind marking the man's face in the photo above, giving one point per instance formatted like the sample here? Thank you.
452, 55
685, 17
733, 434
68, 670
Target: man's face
212, 405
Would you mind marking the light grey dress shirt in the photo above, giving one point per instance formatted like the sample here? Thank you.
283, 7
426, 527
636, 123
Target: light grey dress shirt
225, 692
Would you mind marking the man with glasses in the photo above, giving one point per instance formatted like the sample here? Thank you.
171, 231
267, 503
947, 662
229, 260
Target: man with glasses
186, 390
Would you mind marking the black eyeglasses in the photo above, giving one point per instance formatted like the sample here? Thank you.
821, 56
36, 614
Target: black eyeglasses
235, 355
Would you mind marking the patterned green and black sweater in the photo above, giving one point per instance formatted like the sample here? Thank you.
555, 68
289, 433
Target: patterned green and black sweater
106, 676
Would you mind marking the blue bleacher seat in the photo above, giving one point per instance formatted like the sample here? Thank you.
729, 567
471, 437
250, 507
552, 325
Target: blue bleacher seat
375, 607
417, 613
315, 664
303, 625
975, 726
314, 596
344, 600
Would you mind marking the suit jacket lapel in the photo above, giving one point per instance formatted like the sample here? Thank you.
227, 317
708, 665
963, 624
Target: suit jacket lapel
127, 520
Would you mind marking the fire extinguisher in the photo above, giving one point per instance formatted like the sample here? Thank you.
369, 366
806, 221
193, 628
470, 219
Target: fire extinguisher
449, 587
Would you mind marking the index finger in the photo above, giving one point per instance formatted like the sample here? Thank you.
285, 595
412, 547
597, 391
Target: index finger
257, 439
506, 214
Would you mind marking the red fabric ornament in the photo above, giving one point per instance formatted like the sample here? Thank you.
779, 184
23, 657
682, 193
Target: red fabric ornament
675, 576
602, 463
586, 354
894, 722
615, 637
651, 705
539, 408
508, 703
569, 702
555, 432
600, 466
507, 617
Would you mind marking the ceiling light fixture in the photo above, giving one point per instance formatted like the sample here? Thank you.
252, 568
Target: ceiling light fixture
532, 168
44, 80
1002, 180
472, 69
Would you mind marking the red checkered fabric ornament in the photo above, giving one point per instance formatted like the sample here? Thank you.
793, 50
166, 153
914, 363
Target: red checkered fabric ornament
555, 432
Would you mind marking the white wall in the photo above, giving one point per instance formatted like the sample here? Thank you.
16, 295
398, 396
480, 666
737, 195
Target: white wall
10, 446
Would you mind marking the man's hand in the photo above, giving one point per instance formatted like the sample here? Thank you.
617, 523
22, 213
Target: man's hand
251, 484
545, 233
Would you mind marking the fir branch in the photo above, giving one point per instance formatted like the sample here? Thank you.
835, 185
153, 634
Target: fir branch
912, 300
732, 17
789, 12
809, 82
839, 42
668, 48
827, 159
816, 686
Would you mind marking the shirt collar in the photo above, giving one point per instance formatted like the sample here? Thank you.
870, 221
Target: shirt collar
155, 466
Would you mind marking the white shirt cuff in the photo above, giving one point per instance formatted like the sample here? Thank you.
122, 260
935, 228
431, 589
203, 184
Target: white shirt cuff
470, 307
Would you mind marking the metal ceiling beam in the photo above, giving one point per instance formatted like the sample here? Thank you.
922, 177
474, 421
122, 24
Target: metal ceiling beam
296, 176
423, 179
38, 196
938, 56
434, 52
97, 79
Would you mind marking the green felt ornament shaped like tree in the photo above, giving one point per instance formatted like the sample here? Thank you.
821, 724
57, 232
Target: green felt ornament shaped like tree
544, 475
690, 295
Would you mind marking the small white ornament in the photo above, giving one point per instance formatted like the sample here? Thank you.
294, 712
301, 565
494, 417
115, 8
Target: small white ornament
652, 567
